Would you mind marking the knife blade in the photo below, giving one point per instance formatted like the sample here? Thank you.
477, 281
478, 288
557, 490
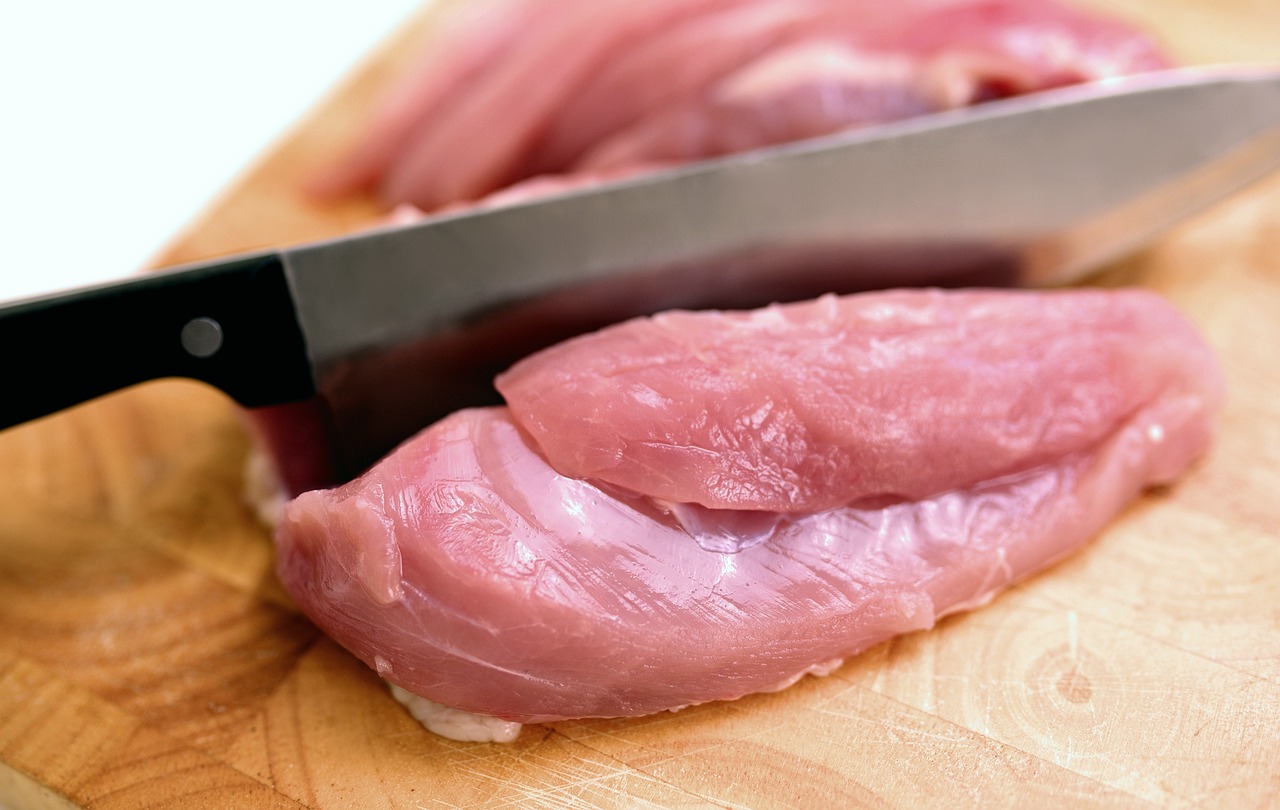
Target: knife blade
374, 335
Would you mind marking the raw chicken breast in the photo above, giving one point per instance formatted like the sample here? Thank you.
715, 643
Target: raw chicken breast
697, 507
895, 395
518, 88
469, 570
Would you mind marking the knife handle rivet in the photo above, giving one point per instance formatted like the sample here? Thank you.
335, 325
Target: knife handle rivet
202, 337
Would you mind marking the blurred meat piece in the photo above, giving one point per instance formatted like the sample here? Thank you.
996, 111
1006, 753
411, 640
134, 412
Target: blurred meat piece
511, 89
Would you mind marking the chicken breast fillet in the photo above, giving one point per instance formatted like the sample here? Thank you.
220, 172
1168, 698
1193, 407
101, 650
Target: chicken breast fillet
470, 567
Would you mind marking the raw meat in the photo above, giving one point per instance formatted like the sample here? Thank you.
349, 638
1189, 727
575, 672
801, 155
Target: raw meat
813, 406
516, 88
697, 507
468, 570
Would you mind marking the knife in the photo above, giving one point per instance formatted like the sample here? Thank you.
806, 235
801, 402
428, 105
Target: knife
346, 346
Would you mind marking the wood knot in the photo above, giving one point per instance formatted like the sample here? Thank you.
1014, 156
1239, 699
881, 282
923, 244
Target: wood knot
1062, 675
1074, 685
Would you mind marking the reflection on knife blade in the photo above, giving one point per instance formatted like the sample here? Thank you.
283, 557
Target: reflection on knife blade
1035, 190
1029, 190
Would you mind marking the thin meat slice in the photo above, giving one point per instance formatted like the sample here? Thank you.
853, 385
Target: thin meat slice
469, 570
516, 88
863, 64
983, 48
474, 146
893, 395
464, 49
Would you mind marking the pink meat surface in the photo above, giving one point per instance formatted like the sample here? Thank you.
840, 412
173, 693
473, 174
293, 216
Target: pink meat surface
895, 395
512, 89
467, 568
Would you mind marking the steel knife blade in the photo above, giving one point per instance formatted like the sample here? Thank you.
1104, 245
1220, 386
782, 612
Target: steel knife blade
374, 335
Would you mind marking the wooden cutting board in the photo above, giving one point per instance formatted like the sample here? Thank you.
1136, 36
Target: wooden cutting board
148, 656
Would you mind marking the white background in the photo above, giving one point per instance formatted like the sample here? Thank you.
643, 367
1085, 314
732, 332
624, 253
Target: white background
120, 120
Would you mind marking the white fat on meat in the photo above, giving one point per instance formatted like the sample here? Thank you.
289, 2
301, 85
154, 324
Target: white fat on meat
455, 724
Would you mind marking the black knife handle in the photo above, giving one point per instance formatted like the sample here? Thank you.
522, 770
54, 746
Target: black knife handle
229, 324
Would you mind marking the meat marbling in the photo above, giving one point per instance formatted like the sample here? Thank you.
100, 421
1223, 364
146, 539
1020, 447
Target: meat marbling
468, 569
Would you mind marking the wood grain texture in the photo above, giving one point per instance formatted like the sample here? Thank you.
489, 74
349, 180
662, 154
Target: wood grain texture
149, 658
